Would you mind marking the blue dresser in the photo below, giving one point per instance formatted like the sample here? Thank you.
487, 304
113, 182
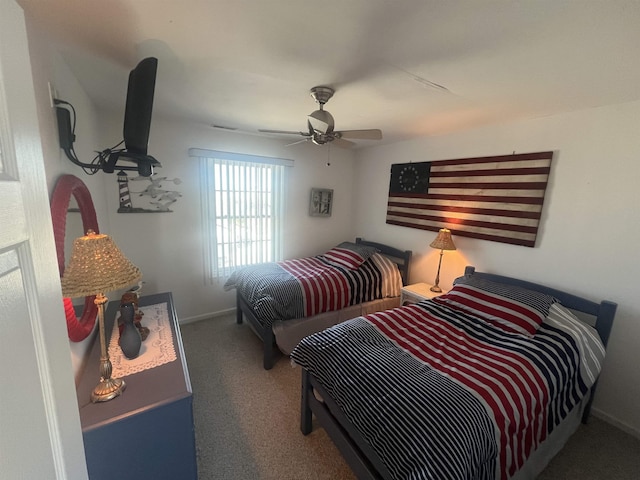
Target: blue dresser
148, 431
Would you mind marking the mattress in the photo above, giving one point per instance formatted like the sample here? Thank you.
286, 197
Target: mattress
289, 332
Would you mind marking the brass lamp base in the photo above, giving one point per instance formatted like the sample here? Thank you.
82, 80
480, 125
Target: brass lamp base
436, 288
107, 390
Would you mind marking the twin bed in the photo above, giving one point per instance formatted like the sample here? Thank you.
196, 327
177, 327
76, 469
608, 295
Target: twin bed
485, 382
286, 301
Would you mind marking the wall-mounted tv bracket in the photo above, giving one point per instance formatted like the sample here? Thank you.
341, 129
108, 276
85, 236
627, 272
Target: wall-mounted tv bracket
105, 160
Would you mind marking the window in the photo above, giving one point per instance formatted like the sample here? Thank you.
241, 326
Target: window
242, 208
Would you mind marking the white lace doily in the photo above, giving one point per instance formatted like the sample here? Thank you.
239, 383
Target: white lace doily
157, 349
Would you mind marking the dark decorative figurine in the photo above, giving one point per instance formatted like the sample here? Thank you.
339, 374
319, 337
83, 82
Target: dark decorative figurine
132, 297
130, 340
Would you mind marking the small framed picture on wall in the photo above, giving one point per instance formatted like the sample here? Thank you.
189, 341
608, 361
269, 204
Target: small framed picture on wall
321, 202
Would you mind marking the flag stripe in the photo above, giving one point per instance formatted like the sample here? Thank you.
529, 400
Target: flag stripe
513, 186
474, 199
476, 228
506, 210
499, 160
522, 226
513, 238
530, 171
492, 198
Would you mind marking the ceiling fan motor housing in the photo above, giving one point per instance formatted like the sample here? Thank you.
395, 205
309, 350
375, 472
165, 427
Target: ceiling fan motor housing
321, 121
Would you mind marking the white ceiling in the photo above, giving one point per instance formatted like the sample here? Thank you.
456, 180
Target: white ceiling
409, 67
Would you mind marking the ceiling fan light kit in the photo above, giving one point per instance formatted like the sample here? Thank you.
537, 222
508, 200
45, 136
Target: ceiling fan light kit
320, 125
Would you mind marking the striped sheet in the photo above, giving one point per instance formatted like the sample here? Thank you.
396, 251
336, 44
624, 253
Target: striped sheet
308, 286
439, 394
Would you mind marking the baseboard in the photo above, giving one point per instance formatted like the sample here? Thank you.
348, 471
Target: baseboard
205, 316
615, 422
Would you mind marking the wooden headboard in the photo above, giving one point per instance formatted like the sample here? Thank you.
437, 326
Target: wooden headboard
402, 258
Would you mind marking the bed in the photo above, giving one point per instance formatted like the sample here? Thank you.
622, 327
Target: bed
286, 301
485, 382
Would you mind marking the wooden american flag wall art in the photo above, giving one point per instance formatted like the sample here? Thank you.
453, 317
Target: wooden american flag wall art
491, 198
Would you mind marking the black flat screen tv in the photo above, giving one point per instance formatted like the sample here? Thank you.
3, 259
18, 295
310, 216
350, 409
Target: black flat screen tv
137, 121
139, 106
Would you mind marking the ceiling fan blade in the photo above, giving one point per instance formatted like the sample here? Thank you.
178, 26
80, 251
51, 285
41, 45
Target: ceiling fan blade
371, 134
285, 132
341, 142
299, 141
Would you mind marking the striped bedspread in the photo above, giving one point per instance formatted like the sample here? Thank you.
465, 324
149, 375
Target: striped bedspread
308, 286
440, 394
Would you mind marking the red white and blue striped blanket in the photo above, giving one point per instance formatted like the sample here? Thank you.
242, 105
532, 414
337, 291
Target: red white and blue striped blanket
439, 393
305, 287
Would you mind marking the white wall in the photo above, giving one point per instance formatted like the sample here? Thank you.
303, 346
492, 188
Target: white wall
49, 67
589, 232
167, 247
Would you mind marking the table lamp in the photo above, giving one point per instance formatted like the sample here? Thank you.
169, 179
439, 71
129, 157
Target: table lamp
444, 242
97, 266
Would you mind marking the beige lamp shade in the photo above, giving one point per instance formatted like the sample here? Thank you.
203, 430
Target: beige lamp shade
443, 241
97, 266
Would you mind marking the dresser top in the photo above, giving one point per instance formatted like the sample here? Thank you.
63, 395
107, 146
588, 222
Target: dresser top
144, 390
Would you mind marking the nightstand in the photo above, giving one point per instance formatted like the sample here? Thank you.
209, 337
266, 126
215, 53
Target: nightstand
417, 292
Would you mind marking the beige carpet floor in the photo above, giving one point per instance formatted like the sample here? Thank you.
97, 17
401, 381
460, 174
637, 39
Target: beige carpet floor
247, 419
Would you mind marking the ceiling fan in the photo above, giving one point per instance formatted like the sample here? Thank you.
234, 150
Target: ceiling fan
320, 125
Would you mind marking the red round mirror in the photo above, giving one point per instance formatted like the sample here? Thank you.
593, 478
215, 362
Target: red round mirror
71, 186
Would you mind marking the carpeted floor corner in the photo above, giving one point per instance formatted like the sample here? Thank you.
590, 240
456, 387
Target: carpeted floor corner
247, 419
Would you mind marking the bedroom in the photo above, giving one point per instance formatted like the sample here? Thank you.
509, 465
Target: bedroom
591, 200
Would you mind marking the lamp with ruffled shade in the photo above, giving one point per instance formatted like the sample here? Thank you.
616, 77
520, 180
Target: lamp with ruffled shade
444, 242
97, 266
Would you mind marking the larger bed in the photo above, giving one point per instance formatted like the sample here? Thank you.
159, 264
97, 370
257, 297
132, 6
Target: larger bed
485, 382
286, 301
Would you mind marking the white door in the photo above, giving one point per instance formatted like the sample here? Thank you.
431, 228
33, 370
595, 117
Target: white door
40, 436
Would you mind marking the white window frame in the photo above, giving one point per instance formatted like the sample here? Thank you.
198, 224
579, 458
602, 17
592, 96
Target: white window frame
240, 225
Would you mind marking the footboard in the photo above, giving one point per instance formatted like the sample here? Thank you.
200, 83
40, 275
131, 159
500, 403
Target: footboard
269, 350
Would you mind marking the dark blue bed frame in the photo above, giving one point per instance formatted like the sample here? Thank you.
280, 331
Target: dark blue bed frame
244, 309
359, 455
